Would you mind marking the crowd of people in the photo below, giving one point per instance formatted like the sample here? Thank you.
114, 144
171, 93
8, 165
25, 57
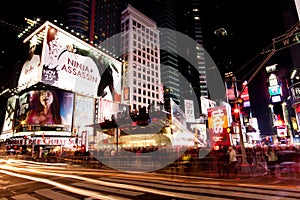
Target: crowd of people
268, 158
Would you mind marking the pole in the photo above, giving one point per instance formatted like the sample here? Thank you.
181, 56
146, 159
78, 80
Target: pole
117, 140
271, 53
32, 147
242, 144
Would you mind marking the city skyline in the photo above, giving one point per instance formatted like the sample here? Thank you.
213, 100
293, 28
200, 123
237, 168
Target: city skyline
232, 50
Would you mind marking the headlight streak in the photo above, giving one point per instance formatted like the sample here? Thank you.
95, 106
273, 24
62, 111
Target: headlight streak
24, 162
62, 186
137, 188
72, 189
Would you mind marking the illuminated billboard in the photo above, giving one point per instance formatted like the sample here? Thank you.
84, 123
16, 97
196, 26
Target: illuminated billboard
9, 115
84, 111
71, 64
274, 90
111, 109
32, 66
44, 108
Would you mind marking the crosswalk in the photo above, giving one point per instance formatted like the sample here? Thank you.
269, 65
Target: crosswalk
61, 183
162, 190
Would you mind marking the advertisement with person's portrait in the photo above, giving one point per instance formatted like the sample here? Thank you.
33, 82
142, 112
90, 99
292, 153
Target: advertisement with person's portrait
68, 63
31, 66
76, 66
46, 107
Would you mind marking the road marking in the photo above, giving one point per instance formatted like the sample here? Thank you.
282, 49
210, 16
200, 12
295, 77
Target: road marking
107, 189
24, 197
54, 195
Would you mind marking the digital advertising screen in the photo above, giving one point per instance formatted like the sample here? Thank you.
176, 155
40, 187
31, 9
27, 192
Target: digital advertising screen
110, 109
45, 108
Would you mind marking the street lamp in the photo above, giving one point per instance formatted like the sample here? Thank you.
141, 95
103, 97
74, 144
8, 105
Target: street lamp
242, 145
237, 112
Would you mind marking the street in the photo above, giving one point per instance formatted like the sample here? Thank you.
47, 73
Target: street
24, 180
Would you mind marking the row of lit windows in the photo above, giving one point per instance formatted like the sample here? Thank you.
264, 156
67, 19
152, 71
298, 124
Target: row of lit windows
138, 26
146, 69
143, 61
139, 101
139, 83
142, 37
144, 93
145, 77
139, 45
146, 51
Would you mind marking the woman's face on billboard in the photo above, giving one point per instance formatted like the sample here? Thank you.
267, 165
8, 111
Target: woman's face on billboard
46, 98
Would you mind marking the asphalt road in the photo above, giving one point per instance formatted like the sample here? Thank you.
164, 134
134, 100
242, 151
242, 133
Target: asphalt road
24, 180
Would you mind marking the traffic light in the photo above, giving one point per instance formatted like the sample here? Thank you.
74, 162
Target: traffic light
236, 111
229, 129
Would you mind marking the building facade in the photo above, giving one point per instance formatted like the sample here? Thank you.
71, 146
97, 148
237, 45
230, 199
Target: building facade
141, 70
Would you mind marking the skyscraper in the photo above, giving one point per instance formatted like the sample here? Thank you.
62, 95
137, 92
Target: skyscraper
185, 80
141, 72
94, 20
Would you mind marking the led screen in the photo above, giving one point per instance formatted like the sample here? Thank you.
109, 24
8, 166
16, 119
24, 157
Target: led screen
275, 90
276, 99
45, 107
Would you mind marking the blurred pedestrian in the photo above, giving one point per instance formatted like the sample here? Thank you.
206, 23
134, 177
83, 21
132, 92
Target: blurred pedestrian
223, 163
272, 159
232, 161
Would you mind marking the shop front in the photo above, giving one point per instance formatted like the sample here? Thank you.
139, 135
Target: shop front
39, 146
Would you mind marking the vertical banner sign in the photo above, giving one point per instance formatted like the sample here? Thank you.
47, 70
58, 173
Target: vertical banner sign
9, 115
178, 116
189, 110
84, 138
217, 121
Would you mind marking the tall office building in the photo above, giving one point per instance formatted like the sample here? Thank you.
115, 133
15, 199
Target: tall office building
164, 14
94, 21
186, 80
141, 70
189, 23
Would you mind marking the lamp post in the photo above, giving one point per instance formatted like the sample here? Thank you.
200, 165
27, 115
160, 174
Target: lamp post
237, 111
242, 144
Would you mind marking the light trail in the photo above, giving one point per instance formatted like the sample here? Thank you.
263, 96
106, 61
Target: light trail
62, 186
118, 185
143, 189
24, 162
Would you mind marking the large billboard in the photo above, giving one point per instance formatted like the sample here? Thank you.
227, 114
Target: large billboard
47, 108
217, 123
84, 111
69, 63
32, 66
9, 115
109, 110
